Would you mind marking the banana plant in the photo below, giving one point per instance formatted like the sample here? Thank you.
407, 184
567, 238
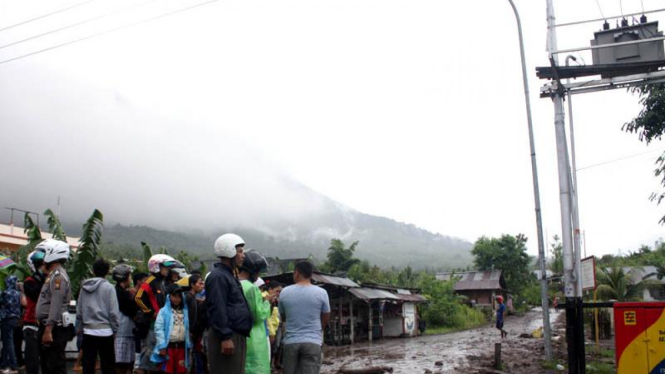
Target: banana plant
20, 257
54, 225
147, 253
80, 267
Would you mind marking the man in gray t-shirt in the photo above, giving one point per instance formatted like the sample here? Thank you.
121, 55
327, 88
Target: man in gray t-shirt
305, 310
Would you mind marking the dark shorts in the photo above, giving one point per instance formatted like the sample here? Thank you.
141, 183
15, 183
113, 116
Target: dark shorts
148, 345
499, 325
302, 358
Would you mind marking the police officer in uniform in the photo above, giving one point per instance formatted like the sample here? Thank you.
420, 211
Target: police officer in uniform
55, 329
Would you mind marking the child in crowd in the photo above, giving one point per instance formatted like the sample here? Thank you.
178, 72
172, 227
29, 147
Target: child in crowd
274, 330
172, 333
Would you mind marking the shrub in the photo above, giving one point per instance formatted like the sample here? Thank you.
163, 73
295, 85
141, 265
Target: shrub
444, 308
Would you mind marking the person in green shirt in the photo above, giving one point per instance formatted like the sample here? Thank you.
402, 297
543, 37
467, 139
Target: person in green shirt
258, 348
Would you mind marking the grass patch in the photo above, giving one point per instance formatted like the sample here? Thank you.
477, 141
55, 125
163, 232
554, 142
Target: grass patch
603, 352
448, 330
550, 365
591, 367
600, 368
462, 318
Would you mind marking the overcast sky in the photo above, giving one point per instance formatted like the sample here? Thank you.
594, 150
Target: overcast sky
407, 109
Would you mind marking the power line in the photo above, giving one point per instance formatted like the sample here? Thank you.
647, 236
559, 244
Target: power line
621, 7
600, 9
76, 24
608, 18
107, 31
45, 15
616, 160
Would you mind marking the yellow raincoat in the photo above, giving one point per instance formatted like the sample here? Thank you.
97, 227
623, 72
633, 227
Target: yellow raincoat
273, 321
258, 349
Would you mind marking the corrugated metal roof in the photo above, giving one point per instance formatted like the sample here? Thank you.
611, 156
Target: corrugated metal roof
471, 276
333, 280
372, 294
478, 285
412, 298
474, 280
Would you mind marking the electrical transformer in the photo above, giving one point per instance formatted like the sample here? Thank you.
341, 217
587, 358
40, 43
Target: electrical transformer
638, 52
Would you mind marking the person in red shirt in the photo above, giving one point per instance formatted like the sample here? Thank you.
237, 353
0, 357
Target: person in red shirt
32, 287
150, 298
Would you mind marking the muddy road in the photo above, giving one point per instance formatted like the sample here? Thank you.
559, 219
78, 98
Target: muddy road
462, 352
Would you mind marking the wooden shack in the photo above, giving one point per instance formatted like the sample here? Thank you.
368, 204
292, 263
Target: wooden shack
480, 287
367, 312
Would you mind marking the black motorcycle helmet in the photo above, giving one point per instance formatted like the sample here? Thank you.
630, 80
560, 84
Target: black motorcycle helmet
255, 263
121, 272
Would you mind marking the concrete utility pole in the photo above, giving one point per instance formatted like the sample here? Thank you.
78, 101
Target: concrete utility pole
536, 195
574, 331
577, 239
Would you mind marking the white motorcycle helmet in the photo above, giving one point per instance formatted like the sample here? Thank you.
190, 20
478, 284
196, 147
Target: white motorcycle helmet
54, 250
160, 259
33, 258
179, 268
225, 245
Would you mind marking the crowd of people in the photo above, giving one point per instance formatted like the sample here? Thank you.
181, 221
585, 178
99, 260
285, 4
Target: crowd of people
227, 322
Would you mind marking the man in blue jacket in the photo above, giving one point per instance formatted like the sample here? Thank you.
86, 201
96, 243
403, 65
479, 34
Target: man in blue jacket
228, 313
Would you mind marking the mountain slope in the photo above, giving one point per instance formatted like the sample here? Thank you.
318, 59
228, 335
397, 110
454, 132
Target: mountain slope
383, 241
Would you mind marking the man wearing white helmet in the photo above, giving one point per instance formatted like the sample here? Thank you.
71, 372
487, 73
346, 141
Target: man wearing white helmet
228, 314
32, 286
150, 298
51, 311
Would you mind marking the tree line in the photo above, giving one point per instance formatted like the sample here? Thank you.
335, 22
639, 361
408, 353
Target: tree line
444, 307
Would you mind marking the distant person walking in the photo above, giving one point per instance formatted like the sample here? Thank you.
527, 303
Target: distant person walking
55, 329
10, 313
500, 311
228, 313
305, 310
98, 317
32, 286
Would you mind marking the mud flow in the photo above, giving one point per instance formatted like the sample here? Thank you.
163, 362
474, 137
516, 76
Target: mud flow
469, 351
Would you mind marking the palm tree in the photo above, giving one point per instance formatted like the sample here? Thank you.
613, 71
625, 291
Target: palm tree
660, 271
407, 278
617, 284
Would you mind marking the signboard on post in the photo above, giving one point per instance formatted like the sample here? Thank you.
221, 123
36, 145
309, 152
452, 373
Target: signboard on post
588, 273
